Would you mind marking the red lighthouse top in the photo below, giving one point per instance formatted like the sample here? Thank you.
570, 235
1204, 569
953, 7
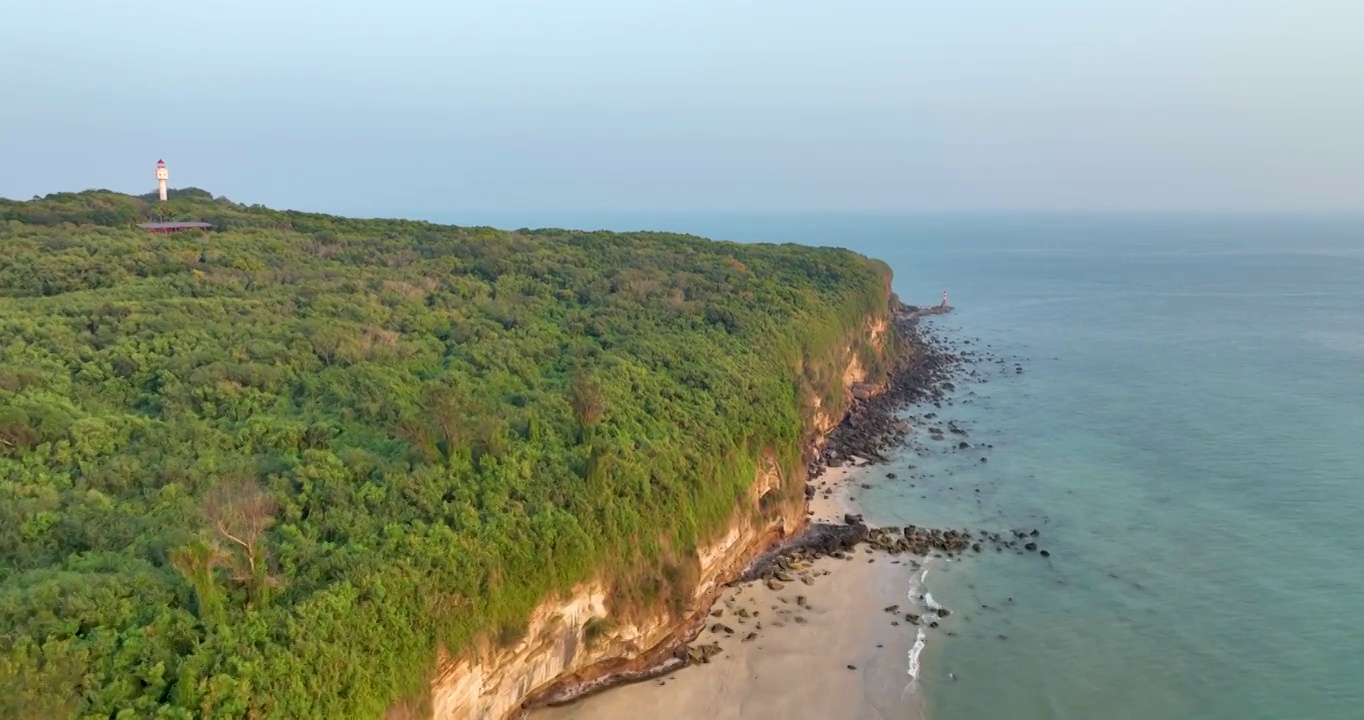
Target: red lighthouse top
160, 162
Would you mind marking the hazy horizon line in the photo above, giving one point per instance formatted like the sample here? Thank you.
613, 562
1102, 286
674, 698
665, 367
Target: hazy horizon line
453, 216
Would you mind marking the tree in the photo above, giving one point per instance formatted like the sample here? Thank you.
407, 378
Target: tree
446, 418
585, 394
240, 512
197, 562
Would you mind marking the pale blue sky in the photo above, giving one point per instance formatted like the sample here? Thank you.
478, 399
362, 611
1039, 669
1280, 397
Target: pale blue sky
424, 107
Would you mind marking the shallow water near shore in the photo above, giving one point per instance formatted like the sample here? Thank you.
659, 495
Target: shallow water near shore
1186, 433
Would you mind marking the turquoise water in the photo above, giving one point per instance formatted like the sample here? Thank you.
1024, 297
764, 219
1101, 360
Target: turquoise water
1187, 434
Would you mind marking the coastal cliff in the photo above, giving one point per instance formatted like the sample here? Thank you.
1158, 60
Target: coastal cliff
322, 467
574, 645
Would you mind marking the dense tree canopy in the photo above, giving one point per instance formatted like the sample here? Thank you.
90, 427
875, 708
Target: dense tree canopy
268, 471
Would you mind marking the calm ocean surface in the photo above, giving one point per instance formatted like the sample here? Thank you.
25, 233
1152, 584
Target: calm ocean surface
1187, 433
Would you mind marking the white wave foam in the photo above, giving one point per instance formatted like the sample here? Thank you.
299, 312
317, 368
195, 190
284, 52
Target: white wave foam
918, 590
920, 640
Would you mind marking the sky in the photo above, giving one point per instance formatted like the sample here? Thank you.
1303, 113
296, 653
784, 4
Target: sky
421, 107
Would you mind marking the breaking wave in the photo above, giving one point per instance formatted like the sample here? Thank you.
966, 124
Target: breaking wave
920, 640
918, 593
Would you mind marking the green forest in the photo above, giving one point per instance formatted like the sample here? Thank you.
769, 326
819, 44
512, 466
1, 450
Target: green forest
271, 470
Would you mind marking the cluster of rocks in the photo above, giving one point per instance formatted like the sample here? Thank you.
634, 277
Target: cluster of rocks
936, 433
872, 427
819, 540
929, 618
918, 541
791, 562
922, 541
794, 564
748, 620
700, 654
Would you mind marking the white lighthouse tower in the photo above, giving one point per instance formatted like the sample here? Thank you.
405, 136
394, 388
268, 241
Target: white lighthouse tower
162, 175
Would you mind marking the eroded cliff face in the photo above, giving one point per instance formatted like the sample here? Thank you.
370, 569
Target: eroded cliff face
854, 375
574, 641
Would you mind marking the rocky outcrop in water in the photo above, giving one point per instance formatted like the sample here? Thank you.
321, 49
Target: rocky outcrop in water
829, 540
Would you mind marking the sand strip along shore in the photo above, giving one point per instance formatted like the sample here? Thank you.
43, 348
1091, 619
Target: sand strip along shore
822, 650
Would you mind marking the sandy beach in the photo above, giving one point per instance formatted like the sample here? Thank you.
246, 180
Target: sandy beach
823, 650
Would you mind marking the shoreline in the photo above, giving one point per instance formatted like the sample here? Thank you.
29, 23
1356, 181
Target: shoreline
824, 650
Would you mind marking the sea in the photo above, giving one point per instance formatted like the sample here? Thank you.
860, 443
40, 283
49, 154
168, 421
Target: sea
1176, 404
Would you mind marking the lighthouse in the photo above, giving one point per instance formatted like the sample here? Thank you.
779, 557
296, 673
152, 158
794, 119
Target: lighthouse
162, 175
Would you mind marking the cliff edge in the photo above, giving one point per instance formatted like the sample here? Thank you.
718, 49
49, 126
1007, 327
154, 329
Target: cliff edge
575, 645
